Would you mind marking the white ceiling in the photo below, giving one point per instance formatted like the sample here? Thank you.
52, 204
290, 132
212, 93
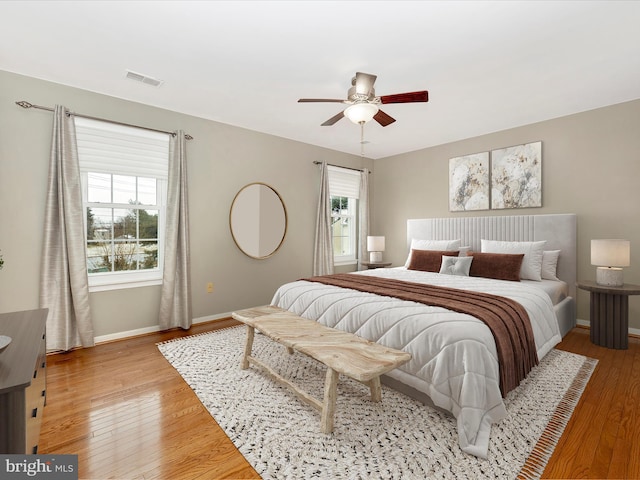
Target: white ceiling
487, 66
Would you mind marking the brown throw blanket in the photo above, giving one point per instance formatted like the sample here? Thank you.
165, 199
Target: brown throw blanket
507, 319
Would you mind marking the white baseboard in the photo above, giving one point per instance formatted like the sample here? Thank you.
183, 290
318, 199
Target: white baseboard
155, 328
211, 318
585, 323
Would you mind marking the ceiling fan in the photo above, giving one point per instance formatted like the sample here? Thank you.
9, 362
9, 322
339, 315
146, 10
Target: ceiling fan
363, 103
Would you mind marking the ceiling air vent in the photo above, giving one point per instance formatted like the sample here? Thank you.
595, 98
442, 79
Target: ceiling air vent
138, 77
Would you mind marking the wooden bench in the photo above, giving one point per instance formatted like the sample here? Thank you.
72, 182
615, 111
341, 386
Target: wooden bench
340, 351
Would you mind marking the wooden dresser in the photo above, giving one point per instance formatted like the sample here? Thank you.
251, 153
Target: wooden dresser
22, 380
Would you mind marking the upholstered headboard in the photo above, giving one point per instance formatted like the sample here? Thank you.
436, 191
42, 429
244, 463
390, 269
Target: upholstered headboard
558, 230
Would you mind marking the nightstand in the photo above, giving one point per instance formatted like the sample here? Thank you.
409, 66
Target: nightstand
370, 265
609, 313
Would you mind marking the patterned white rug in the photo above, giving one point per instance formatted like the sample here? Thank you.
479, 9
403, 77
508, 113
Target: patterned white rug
398, 438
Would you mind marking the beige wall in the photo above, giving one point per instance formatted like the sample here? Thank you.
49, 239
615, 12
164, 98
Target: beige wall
221, 159
590, 167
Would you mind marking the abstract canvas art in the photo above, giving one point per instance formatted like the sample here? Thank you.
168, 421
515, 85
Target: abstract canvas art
516, 176
469, 182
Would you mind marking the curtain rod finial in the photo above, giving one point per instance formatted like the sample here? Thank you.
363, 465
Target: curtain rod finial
24, 104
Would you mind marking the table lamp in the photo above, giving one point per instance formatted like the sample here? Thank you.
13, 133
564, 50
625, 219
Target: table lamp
375, 245
610, 256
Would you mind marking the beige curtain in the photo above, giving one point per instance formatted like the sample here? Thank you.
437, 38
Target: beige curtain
64, 285
323, 245
175, 301
363, 214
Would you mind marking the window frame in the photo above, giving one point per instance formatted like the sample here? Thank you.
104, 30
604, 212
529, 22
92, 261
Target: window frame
101, 281
155, 166
352, 213
345, 183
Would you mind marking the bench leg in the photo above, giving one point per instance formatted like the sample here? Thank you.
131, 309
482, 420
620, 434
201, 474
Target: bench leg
329, 403
244, 363
376, 390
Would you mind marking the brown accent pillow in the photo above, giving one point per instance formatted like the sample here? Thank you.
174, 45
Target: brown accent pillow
429, 260
501, 266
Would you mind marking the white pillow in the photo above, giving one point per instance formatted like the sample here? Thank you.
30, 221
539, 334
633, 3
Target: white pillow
464, 251
456, 265
550, 264
531, 263
417, 244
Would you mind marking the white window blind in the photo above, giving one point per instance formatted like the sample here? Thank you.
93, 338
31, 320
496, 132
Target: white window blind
344, 182
104, 147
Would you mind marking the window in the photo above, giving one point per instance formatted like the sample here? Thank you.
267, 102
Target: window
343, 229
344, 187
124, 177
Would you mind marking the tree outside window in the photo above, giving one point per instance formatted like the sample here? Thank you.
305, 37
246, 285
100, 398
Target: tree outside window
121, 236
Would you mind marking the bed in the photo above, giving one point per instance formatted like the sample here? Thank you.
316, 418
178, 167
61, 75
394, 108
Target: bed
455, 363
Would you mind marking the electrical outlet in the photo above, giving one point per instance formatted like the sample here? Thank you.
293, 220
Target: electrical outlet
210, 287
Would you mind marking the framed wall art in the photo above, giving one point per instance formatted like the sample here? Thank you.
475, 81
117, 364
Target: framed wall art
469, 182
516, 176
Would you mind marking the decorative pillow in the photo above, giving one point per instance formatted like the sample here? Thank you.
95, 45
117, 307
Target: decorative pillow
417, 244
456, 265
428, 260
550, 264
464, 251
531, 264
501, 266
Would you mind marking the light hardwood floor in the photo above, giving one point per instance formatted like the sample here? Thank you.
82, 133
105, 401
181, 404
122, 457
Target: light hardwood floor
128, 414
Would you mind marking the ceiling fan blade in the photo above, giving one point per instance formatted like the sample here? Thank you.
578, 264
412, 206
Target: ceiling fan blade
333, 119
383, 119
364, 83
422, 96
315, 100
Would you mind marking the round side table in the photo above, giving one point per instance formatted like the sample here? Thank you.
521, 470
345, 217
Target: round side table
609, 313
370, 265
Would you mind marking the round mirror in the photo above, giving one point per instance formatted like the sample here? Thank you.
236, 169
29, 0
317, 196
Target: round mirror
258, 220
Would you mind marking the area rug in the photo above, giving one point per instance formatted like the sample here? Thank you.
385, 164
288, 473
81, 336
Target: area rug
399, 438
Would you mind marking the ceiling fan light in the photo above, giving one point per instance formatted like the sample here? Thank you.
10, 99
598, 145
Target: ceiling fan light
361, 112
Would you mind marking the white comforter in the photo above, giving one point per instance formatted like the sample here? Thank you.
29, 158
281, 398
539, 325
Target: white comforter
454, 355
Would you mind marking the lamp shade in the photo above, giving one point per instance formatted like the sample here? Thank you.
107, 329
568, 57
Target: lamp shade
361, 112
611, 253
375, 244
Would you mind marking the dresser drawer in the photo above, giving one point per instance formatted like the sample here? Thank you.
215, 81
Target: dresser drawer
23, 390
35, 400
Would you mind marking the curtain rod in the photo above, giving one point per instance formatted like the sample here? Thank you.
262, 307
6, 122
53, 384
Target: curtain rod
25, 104
339, 166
